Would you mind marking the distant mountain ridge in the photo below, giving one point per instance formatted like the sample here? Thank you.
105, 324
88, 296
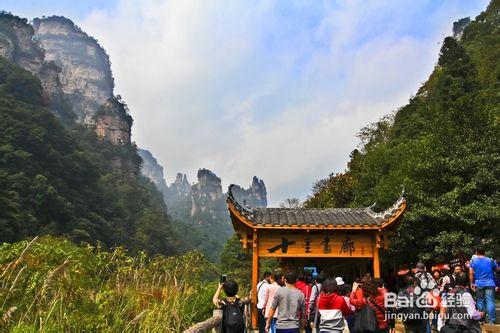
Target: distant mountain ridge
201, 206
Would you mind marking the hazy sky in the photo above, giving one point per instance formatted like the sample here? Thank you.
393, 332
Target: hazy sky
276, 89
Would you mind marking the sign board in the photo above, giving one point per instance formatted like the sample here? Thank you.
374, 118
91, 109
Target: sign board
316, 245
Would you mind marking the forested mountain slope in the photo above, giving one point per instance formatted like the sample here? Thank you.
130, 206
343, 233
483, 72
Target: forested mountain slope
58, 180
443, 147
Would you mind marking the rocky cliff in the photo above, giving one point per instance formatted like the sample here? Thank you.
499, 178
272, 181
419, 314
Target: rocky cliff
17, 45
73, 68
201, 208
181, 187
254, 196
153, 170
206, 195
86, 79
85, 75
459, 27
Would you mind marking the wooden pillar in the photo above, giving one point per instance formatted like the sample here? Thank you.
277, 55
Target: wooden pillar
376, 260
255, 278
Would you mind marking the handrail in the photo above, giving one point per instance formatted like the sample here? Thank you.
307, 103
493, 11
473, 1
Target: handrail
211, 323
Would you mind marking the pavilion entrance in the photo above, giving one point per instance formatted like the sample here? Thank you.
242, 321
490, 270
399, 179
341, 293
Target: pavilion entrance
339, 241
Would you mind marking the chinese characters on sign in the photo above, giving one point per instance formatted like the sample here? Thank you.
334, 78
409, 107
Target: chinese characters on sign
347, 246
319, 245
326, 245
285, 243
307, 245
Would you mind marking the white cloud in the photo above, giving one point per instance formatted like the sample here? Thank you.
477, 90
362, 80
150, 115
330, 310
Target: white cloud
276, 90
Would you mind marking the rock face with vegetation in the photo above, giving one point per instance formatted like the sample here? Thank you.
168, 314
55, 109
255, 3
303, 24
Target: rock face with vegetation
254, 196
202, 207
206, 195
60, 174
74, 71
18, 46
443, 147
151, 169
85, 76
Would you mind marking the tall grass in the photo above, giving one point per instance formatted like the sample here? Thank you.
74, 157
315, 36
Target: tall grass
53, 285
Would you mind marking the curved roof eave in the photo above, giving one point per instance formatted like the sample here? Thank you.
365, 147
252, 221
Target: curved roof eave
387, 219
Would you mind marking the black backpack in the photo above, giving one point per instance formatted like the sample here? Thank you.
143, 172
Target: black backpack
413, 310
457, 316
232, 317
365, 320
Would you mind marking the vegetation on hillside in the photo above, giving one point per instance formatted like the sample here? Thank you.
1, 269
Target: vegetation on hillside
53, 285
443, 147
61, 180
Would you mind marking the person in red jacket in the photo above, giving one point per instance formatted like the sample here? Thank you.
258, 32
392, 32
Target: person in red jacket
368, 290
304, 285
332, 308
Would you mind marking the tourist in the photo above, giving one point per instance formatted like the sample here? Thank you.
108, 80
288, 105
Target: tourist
344, 290
447, 280
391, 281
232, 307
426, 282
424, 278
458, 302
436, 274
380, 284
291, 306
271, 292
482, 281
367, 293
413, 320
332, 308
304, 285
457, 269
301, 283
315, 291
262, 300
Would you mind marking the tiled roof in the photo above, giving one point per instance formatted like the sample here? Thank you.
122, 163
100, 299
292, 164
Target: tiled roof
314, 216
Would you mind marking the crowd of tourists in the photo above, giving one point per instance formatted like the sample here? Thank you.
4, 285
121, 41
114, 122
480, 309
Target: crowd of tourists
448, 299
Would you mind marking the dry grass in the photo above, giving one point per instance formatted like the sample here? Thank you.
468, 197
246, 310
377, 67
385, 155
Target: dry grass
52, 285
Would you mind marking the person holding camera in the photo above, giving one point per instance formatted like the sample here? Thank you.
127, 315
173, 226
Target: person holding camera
233, 320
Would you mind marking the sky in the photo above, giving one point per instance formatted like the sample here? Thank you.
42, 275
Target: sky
274, 89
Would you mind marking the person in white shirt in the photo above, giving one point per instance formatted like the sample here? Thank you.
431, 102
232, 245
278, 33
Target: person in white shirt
262, 295
315, 291
271, 292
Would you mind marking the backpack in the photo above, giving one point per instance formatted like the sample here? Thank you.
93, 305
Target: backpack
366, 319
232, 317
457, 316
412, 311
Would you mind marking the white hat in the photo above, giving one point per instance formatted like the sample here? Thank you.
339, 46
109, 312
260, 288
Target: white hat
339, 281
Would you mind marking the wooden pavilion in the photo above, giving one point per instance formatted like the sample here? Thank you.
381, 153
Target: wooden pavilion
299, 237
